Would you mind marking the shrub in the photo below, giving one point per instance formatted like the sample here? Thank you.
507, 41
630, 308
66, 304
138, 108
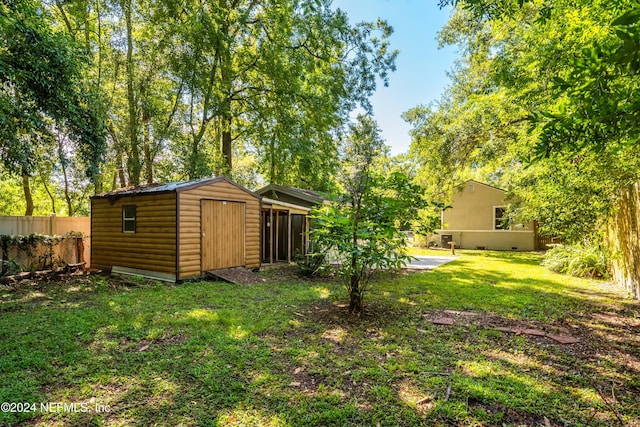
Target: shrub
577, 260
311, 265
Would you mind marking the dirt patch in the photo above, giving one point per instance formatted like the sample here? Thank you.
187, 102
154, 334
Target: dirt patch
501, 415
559, 334
278, 273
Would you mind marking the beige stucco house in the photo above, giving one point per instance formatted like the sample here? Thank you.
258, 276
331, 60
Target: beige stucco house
477, 219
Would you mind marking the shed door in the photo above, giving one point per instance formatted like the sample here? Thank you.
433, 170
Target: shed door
222, 234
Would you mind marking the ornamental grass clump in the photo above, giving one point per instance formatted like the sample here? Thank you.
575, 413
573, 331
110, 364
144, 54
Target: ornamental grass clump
580, 260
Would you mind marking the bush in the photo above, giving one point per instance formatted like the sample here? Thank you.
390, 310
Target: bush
311, 265
577, 260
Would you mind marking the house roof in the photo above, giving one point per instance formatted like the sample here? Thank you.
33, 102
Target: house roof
170, 187
299, 193
481, 183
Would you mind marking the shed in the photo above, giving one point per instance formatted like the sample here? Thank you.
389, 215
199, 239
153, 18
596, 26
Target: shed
176, 231
285, 223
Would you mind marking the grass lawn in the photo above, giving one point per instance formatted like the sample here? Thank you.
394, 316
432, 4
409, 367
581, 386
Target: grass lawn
286, 353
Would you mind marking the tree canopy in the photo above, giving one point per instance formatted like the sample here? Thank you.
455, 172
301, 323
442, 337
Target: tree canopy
544, 102
43, 94
135, 91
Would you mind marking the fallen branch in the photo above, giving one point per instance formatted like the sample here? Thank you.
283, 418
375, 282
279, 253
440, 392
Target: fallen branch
448, 393
610, 406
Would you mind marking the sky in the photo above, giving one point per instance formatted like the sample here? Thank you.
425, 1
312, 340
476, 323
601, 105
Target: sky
420, 77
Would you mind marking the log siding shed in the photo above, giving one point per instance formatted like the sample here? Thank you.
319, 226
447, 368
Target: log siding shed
176, 231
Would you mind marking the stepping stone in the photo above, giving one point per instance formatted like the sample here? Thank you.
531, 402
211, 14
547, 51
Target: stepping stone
563, 339
443, 321
505, 329
461, 313
534, 332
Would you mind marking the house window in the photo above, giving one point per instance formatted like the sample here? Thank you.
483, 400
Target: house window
501, 219
471, 188
129, 219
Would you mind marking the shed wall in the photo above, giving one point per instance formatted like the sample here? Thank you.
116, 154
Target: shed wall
190, 227
153, 245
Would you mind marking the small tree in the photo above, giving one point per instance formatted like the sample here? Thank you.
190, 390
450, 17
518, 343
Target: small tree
362, 227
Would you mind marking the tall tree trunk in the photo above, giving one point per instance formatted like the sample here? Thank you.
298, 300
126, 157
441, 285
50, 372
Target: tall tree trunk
224, 56
87, 30
272, 160
63, 164
119, 161
53, 199
146, 144
67, 197
226, 148
26, 187
134, 165
99, 53
355, 296
355, 290
121, 176
194, 168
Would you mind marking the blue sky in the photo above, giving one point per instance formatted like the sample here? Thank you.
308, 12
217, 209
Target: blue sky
421, 67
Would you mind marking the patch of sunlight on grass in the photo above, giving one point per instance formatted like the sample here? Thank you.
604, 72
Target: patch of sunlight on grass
484, 368
323, 293
309, 357
404, 300
203, 314
336, 334
249, 417
162, 392
155, 333
238, 333
411, 395
260, 377
115, 307
295, 323
31, 296
476, 369
587, 395
521, 360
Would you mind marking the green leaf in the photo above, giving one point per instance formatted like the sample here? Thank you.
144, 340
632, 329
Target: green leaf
629, 18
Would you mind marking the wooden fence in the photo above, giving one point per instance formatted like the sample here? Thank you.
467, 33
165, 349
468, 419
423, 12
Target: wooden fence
36, 257
623, 239
47, 225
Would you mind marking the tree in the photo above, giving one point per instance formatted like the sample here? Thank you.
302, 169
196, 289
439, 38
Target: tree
279, 75
363, 225
42, 93
192, 84
542, 103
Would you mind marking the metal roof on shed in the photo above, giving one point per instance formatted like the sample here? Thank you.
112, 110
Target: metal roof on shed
299, 193
169, 187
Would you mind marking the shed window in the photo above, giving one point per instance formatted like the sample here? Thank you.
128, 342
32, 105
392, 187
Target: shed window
129, 219
501, 219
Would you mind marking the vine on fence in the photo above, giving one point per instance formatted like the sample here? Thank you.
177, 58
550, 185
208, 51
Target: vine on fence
35, 251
